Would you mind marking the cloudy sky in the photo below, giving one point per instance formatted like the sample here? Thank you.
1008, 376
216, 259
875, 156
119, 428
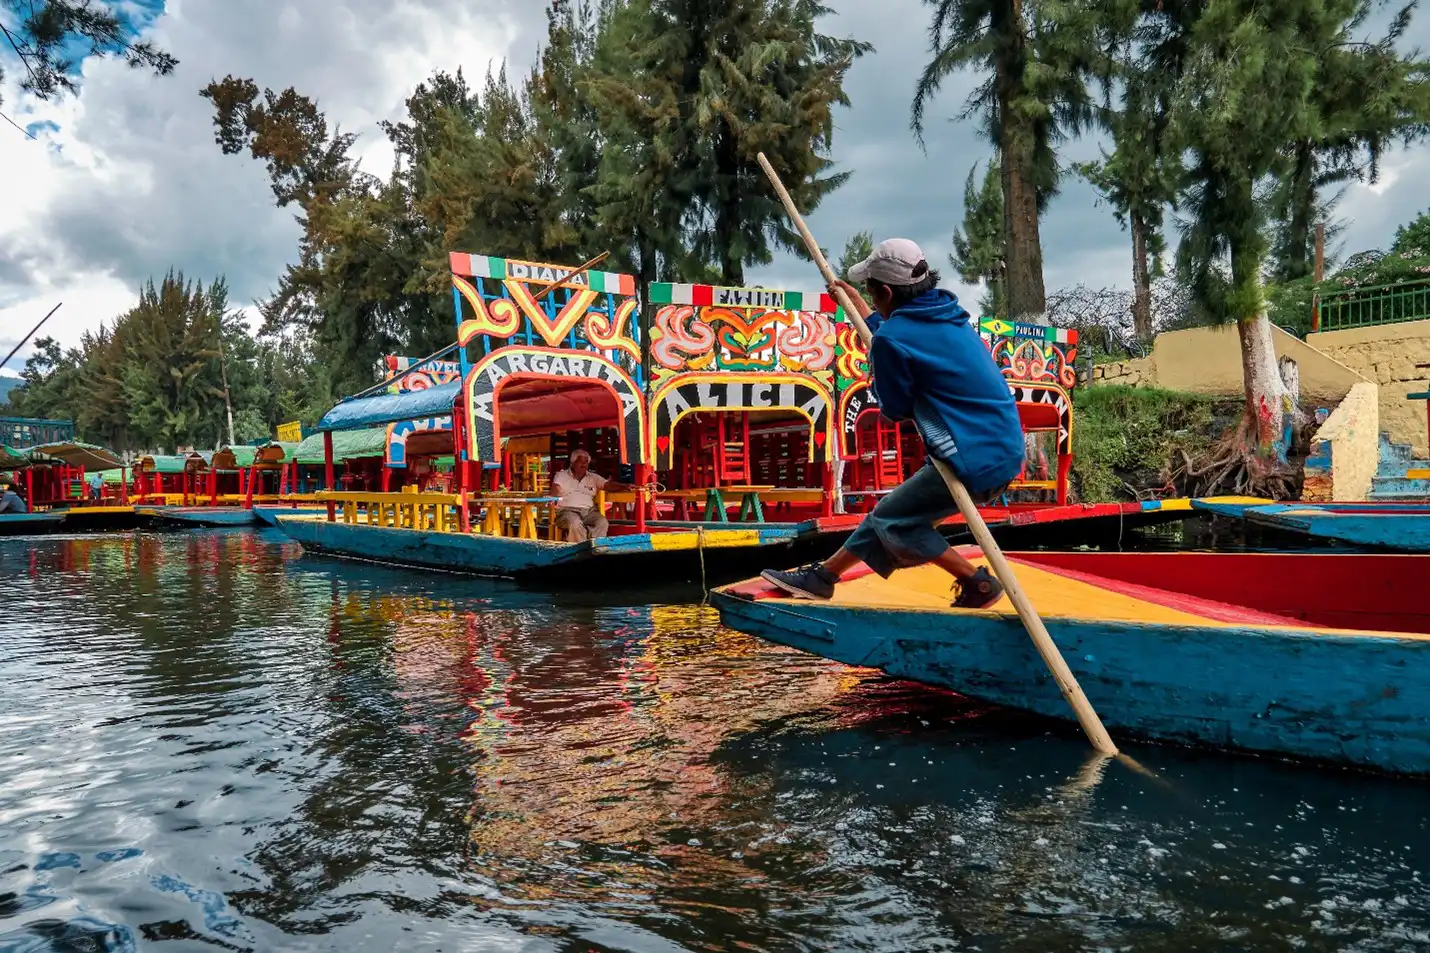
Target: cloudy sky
125, 181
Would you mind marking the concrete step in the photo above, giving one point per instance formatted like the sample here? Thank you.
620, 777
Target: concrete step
1399, 497
1399, 485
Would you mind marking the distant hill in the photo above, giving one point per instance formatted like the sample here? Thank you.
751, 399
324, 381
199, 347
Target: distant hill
7, 384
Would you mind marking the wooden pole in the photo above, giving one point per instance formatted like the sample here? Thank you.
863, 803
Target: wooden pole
329, 476
1037, 631
575, 274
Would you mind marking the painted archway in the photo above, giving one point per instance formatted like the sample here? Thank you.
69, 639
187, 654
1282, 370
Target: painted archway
854, 403
514, 365
693, 393
1054, 402
398, 433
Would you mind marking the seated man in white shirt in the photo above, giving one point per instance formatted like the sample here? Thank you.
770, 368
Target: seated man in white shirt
576, 487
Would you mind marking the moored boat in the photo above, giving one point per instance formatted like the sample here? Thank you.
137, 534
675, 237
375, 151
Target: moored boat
1316, 656
1397, 526
26, 524
636, 559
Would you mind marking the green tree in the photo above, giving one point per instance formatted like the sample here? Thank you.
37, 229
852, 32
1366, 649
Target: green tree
48, 35
747, 76
1366, 96
1035, 59
978, 247
858, 248
1259, 68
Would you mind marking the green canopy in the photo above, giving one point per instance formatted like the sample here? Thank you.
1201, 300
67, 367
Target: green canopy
10, 457
110, 477
164, 464
347, 445
88, 455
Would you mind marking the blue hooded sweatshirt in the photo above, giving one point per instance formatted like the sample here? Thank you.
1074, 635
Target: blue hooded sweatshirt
930, 365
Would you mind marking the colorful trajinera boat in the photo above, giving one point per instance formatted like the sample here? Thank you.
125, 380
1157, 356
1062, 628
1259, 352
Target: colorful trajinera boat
745, 409
1268, 653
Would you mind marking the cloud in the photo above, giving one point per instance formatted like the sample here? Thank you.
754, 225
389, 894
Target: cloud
126, 181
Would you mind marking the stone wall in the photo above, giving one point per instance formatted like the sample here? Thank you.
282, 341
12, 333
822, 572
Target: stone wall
1346, 449
1387, 354
1134, 373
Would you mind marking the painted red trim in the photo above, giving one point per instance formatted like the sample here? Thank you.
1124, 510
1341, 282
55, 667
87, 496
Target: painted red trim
1180, 601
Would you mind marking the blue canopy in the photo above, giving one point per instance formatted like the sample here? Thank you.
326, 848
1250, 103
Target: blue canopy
359, 412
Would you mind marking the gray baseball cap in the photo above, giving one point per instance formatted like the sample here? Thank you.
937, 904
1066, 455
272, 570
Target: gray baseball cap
894, 262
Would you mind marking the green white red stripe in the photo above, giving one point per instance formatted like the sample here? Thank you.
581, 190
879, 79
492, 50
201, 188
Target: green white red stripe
485, 266
700, 296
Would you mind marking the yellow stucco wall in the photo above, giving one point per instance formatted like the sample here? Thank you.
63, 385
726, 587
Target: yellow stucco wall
1387, 354
1208, 361
1350, 437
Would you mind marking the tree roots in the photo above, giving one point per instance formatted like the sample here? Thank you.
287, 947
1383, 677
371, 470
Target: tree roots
1233, 467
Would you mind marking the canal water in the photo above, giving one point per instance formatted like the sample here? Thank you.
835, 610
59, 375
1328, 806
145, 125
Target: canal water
211, 742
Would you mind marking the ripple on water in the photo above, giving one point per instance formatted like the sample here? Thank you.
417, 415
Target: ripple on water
205, 738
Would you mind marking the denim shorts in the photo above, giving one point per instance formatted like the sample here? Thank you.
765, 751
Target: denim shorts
902, 531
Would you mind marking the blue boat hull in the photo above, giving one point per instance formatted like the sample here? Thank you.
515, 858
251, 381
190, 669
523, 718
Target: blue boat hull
1349, 699
635, 559
202, 515
268, 515
1402, 529
27, 524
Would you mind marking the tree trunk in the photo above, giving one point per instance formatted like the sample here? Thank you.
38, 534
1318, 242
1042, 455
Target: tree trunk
1022, 243
1141, 281
1297, 260
1269, 404
727, 211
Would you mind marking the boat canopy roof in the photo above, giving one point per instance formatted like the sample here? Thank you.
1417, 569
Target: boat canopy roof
347, 445
11, 457
72, 453
358, 412
278, 451
234, 458
111, 477
177, 463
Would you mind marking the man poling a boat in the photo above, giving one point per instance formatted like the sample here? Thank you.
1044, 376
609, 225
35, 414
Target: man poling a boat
576, 487
927, 364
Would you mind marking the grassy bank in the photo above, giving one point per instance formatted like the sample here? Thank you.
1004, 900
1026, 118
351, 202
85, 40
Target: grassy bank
1123, 437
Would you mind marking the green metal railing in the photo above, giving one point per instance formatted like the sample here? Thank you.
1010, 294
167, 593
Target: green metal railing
1380, 304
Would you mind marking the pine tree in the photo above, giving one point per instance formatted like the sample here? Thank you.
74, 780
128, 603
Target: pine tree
978, 247
1259, 66
46, 34
1366, 96
858, 248
1035, 58
748, 76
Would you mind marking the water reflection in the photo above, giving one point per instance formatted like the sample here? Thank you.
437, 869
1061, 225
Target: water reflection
211, 740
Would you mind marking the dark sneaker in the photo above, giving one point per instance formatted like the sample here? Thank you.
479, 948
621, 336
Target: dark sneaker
978, 591
806, 582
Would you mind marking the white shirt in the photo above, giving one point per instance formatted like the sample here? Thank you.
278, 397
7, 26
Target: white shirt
576, 494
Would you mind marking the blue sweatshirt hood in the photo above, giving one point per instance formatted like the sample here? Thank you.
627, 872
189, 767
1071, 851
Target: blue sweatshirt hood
933, 305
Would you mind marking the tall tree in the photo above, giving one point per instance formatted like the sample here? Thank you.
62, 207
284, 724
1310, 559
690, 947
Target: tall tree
1249, 88
1366, 96
979, 246
753, 76
1139, 179
50, 36
1035, 59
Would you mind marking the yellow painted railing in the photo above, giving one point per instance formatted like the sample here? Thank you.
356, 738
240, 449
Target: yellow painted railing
504, 515
439, 512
